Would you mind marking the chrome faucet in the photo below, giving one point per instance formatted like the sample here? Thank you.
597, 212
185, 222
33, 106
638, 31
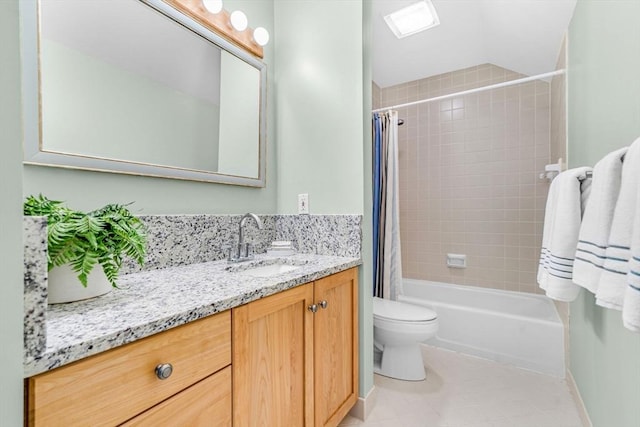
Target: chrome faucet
243, 251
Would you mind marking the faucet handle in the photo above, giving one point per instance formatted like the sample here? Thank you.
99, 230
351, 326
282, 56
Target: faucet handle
246, 251
234, 252
249, 250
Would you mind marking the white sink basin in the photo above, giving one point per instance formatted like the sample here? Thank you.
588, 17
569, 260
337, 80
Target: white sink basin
270, 270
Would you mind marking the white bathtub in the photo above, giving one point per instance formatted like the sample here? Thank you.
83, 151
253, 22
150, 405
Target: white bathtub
510, 327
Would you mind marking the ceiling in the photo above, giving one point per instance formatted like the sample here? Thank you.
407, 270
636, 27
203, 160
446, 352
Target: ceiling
520, 35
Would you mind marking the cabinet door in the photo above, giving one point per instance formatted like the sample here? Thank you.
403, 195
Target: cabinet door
205, 404
273, 360
336, 347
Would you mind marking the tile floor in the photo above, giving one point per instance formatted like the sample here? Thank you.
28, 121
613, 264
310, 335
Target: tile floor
463, 391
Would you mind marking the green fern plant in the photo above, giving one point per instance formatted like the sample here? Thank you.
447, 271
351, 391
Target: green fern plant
83, 240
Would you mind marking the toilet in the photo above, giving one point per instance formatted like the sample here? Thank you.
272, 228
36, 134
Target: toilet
398, 330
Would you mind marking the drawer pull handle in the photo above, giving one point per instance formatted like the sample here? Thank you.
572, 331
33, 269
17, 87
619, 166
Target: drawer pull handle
313, 308
164, 371
323, 304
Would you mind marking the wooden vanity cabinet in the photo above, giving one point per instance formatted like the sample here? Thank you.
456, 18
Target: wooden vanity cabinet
113, 387
295, 355
295, 363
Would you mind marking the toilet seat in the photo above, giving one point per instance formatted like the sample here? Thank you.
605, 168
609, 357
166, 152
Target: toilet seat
395, 311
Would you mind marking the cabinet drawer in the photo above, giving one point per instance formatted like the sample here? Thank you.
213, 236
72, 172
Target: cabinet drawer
205, 404
112, 387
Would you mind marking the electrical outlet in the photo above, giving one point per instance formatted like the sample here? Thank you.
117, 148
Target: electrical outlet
303, 203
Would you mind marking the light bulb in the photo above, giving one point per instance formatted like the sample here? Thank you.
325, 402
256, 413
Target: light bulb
213, 6
261, 36
239, 20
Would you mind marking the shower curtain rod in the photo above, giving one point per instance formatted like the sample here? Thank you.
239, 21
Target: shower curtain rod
478, 89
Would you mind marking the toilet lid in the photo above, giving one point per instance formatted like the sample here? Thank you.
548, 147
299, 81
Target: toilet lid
394, 310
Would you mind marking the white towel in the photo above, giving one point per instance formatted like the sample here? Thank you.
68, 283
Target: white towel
597, 219
631, 303
613, 279
563, 213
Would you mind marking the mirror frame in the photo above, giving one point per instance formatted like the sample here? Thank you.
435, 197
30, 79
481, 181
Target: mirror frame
35, 154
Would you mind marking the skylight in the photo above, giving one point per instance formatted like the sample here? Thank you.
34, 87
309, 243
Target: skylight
412, 19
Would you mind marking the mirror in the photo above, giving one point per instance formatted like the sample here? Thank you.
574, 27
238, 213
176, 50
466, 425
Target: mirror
134, 86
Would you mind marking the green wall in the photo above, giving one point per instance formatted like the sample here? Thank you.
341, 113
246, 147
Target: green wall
319, 102
89, 190
11, 289
604, 114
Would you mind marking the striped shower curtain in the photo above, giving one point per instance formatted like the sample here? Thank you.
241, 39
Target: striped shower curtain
386, 208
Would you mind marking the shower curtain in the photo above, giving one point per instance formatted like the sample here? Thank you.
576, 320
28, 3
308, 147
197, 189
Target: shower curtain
386, 208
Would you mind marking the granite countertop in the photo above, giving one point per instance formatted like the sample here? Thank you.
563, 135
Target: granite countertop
154, 301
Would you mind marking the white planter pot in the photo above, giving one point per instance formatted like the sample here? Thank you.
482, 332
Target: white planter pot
64, 285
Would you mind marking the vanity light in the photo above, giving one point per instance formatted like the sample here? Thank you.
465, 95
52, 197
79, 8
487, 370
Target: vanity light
261, 36
239, 20
213, 6
232, 26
